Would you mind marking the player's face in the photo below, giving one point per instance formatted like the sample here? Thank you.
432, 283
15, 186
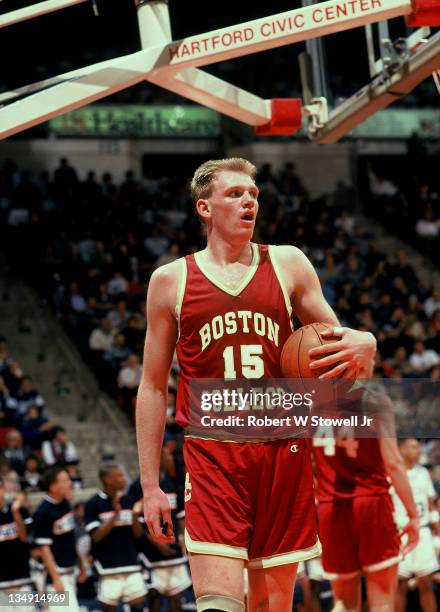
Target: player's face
411, 450
63, 485
118, 480
232, 207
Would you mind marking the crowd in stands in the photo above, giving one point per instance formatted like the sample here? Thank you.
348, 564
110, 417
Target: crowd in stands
29, 441
409, 192
95, 243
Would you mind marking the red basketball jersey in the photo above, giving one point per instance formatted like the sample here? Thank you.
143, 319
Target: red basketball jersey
347, 468
230, 333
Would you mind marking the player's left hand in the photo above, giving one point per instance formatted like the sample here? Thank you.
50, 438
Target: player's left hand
18, 502
352, 356
411, 530
82, 576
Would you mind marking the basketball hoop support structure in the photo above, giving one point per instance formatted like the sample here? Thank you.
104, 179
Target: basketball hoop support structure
175, 65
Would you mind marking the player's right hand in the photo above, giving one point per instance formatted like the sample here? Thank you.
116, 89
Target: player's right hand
411, 530
58, 585
157, 513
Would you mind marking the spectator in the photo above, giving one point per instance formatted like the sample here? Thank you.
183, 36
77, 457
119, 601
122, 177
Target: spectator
32, 480
129, 378
8, 406
10, 478
117, 353
28, 396
35, 428
59, 450
427, 226
15, 576
103, 303
6, 358
14, 451
102, 337
74, 473
118, 286
55, 535
112, 520
156, 243
65, 176
432, 304
119, 316
422, 359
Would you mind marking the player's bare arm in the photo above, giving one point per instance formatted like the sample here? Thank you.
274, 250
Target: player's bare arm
352, 355
151, 401
396, 470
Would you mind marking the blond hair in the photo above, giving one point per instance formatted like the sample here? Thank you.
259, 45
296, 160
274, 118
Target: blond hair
206, 174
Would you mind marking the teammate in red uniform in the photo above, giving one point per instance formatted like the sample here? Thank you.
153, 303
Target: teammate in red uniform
228, 309
355, 510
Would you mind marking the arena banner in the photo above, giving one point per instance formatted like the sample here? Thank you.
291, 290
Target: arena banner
136, 121
263, 409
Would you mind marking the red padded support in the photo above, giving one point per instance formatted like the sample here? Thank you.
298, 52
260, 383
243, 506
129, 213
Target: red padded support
425, 13
286, 118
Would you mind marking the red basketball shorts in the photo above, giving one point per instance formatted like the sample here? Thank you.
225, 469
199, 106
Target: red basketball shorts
358, 535
250, 500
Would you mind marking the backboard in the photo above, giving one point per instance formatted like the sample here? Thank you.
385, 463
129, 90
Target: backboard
393, 68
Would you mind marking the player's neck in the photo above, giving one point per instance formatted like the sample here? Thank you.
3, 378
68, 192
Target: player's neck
222, 252
410, 464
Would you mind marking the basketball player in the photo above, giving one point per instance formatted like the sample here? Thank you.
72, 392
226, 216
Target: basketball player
227, 310
422, 561
355, 511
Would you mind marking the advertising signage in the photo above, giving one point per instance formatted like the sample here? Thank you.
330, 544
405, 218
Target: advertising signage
136, 121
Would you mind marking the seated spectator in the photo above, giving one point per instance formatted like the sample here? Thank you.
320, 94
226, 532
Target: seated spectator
118, 352
101, 338
172, 253
102, 304
6, 358
35, 427
14, 451
11, 479
399, 361
28, 396
129, 378
427, 227
74, 473
59, 450
431, 304
10, 369
32, 480
156, 243
134, 332
76, 302
422, 359
118, 286
8, 406
119, 315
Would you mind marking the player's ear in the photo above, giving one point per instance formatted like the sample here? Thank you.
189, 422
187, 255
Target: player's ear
203, 208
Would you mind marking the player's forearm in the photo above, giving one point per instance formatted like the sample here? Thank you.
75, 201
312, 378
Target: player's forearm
21, 527
49, 562
396, 470
400, 482
103, 530
151, 405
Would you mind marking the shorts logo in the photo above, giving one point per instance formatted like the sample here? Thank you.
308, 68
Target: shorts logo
188, 487
294, 448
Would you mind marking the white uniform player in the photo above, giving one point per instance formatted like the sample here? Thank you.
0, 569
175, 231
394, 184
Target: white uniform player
422, 561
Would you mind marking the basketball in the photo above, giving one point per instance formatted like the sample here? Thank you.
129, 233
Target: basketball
295, 360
